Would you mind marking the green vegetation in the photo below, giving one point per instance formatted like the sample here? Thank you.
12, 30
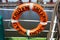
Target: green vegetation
25, 38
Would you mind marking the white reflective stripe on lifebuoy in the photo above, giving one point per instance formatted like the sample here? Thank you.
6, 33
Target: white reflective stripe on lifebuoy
28, 32
43, 23
31, 5
13, 21
16, 7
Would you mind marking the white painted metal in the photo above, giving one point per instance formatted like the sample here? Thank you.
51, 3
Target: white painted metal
26, 20
52, 34
13, 9
16, 30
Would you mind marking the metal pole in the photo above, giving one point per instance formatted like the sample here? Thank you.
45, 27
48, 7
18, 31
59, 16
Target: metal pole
20, 2
52, 25
13, 9
29, 0
52, 34
58, 16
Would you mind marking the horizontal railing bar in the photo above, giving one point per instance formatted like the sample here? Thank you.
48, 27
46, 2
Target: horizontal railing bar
26, 20
13, 9
16, 30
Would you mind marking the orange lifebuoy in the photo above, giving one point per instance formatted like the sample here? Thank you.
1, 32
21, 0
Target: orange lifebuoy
25, 7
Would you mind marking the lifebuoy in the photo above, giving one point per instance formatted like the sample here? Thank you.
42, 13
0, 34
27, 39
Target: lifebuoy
25, 7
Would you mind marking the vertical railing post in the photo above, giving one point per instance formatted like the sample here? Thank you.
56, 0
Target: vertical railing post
1, 29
